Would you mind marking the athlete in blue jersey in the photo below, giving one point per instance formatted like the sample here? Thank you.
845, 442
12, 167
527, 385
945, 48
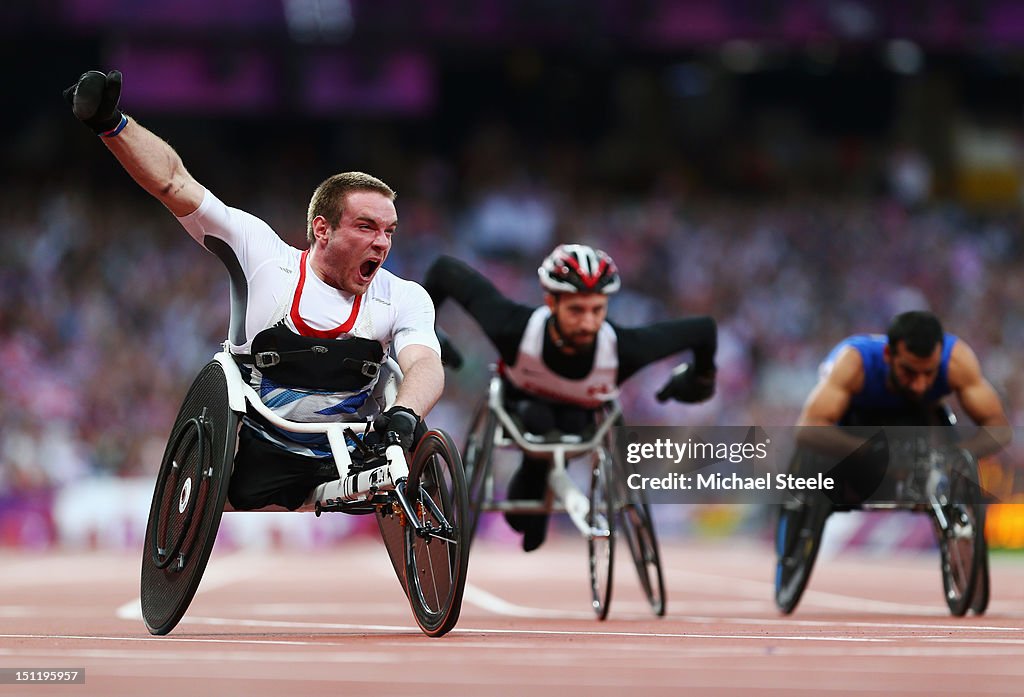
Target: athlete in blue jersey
900, 379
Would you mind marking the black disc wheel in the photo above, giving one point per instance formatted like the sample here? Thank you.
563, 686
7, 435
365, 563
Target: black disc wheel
188, 500
436, 545
601, 538
797, 541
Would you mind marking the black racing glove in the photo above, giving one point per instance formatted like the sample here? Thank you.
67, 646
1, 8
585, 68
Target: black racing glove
94, 100
450, 355
404, 422
687, 385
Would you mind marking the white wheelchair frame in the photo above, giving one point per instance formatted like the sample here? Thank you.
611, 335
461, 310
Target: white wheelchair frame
416, 502
564, 495
620, 512
348, 489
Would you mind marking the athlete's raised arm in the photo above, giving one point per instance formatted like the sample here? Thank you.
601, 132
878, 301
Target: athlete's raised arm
150, 161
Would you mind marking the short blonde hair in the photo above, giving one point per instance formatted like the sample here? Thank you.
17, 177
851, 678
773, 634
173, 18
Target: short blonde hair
328, 199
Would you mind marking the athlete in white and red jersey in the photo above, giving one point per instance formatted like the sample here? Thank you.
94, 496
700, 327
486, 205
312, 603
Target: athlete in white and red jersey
278, 285
327, 316
563, 360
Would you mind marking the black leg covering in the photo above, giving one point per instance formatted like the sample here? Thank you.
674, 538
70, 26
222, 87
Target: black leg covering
266, 475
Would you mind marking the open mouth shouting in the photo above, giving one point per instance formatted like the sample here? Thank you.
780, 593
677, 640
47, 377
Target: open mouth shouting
367, 269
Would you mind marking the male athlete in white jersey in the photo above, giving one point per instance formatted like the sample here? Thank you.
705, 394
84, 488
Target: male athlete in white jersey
563, 360
310, 327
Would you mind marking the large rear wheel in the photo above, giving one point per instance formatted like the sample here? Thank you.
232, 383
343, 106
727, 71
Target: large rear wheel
188, 500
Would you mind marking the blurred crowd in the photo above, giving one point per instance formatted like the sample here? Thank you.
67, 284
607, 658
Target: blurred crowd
110, 308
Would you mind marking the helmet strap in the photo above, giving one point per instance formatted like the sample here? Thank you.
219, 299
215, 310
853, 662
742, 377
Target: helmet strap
556, 330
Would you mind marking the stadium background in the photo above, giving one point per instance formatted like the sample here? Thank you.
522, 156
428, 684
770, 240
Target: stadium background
798, 170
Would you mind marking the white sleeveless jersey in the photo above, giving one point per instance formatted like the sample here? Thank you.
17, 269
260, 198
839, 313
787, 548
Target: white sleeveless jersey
530, 374
273, 281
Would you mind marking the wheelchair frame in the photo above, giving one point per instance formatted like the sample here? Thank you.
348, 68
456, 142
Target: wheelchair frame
403, 498
955, 517
593, 516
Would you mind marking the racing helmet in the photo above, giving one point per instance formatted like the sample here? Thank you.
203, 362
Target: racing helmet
579, 268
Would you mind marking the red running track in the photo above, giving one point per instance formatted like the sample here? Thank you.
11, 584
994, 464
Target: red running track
335, 622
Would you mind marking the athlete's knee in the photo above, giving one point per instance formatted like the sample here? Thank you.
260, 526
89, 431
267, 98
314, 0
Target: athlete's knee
243, 497
536, 417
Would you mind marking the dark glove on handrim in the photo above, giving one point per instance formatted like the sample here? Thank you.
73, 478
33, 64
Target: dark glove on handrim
94, 99
404, 422
687, 385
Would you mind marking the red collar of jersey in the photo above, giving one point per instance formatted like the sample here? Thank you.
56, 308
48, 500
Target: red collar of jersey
306, 330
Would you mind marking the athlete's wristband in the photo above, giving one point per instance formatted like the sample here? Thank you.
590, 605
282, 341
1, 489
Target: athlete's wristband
116, 129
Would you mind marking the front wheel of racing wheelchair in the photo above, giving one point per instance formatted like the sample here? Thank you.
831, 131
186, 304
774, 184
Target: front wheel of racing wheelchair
960, 530
421, 509
427, 542
477, 461
798, 534
637, 526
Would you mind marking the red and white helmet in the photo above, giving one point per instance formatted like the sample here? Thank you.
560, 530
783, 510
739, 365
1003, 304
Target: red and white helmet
579, 268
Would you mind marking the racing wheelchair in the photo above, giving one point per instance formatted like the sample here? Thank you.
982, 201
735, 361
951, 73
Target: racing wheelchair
924, 477
420, 503
609, 508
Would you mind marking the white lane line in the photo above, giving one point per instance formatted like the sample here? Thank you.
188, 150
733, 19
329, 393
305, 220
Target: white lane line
499, 606
372, 628
132, 610
285, 624
169, 639
568, 654
484, 600
836, 601
360, 657
781, 621
227, 570
493, 603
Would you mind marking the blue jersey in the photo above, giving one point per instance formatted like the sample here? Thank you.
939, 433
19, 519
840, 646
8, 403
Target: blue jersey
875, 394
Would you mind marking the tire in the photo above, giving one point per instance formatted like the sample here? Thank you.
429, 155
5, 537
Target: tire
188, 500
962, 549
982, 588
477, 463
601, 540
435, 569
797, 541
637, 526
